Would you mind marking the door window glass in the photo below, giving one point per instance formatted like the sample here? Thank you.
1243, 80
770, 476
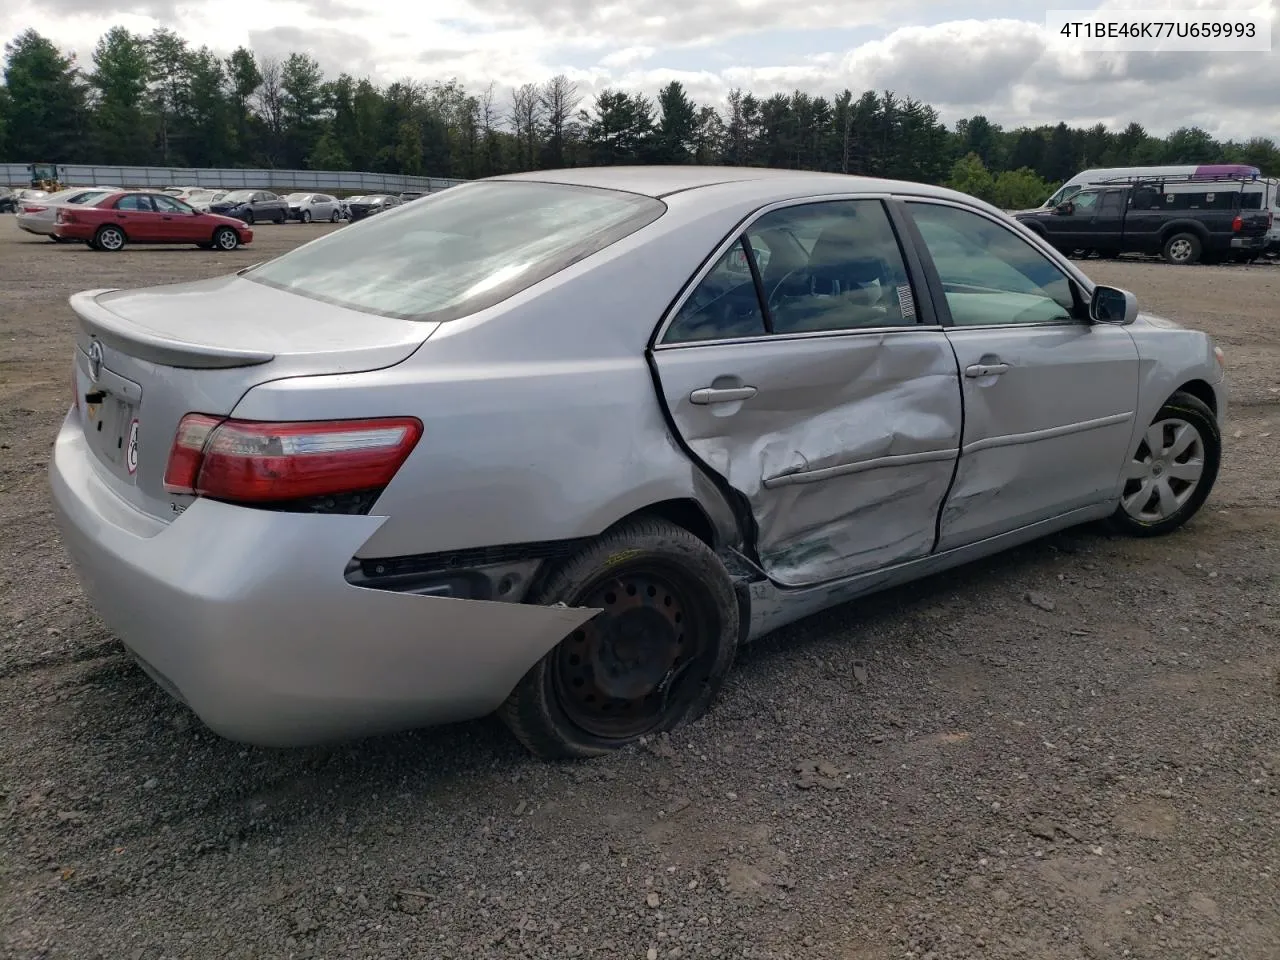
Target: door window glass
723, 306
991, 275
831, 266
1112, 203
169, 205
1083, 204
136, 202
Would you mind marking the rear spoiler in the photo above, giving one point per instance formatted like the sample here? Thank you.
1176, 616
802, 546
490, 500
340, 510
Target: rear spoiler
136, 340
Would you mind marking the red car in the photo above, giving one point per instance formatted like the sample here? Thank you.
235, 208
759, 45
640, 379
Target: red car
135, 217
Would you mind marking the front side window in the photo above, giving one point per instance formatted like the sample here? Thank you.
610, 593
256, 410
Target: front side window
1085, 203
170, 205
461, 250
989, 274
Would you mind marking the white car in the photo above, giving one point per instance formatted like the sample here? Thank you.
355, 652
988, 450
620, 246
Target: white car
37, 216
313, 206
201, 197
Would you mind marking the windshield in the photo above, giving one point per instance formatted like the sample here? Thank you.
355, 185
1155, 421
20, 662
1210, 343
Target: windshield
298, 196
91, 197
461, 250
238, 195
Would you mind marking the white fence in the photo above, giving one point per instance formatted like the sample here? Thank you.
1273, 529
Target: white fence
334, 181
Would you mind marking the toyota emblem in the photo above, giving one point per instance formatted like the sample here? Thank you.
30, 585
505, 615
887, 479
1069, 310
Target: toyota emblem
95, 360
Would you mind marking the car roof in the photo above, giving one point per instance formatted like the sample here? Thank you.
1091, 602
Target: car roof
661, 181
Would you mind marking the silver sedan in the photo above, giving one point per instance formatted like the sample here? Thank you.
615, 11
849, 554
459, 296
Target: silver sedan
38, 216
557, 444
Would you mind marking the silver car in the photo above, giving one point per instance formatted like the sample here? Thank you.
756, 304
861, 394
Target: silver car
38, 216
556, 444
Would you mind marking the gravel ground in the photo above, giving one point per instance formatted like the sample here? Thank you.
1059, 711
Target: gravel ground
1069, 751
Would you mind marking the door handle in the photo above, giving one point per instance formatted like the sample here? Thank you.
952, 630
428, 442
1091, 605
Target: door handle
986, 369
706, 395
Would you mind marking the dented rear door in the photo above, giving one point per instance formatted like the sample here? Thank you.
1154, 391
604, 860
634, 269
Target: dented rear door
843, 441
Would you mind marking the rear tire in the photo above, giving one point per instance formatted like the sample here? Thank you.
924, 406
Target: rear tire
109, 238
652, 660
225, 239
1171, 474
1181, 249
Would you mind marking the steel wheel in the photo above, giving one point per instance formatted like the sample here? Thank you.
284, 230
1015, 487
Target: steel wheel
614, 677
1165, 471
1180, 250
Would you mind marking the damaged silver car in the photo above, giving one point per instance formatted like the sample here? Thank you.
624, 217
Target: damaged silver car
556, 444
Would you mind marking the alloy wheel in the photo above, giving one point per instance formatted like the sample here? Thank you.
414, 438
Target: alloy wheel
1164, 472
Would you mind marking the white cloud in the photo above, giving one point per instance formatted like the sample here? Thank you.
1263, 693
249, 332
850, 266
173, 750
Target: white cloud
997, 61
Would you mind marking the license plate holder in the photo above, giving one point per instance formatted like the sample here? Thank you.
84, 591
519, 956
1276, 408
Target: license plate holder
112, 427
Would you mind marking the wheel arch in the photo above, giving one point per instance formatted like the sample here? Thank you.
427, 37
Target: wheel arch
1202, 391
1183, 226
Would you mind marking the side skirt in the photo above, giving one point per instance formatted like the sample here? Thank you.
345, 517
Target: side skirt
773, 607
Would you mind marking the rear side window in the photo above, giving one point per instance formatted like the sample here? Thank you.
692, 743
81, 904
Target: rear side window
461, 250
134, 202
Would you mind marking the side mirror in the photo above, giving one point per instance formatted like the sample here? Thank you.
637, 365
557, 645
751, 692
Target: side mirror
1064, 208
1112, 305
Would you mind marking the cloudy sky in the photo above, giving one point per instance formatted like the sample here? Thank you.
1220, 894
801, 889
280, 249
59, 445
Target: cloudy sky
977, 56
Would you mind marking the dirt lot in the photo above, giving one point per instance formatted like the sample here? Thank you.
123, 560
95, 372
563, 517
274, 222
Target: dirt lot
1098, 779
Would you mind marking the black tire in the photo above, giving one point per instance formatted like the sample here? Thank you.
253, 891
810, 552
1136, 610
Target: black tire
1181, 249
1194, 412
280, 217
335, 216
225, 239
248, 217
670, 593
306, 216
109, 238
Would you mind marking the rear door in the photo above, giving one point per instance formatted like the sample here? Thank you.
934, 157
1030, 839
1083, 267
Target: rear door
802, 368
1049, 398
139, 218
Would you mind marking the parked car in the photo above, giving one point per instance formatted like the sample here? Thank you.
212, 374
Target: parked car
251, 206
8, 200
38, 216
1184, 222
367, 206
406, 474
314, 206
202, 198
408, 195
121, 218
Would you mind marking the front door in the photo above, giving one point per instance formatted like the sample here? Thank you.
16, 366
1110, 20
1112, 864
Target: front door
179, 221
799, 371
1049, 398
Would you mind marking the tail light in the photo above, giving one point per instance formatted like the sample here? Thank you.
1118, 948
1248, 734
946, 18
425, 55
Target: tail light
34, 209
64, 216
1237, 224
256, 462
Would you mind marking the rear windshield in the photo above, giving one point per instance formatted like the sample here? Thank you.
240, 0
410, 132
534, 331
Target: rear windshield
461, 250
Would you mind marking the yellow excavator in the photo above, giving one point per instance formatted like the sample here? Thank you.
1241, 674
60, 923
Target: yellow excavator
44, 176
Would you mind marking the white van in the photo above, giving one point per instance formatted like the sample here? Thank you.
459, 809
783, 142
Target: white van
1264, 194
1100, 175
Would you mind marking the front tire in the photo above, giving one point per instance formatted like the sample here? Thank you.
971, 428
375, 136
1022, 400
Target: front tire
335, 217
1182, 249
109, 238
225, 239
248, 217
651, 661
306, 216
1170, 475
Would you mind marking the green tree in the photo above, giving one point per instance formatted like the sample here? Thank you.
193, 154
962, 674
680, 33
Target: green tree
1019, 189
208, 114
302, 88
121, 126
45, 112
167, 53
969, 175
244, 79
677, 131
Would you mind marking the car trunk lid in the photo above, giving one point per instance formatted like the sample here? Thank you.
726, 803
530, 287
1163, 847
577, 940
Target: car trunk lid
144, 358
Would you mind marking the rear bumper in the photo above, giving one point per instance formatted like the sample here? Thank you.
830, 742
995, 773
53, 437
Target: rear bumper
41, 228
246, 616
1249, 243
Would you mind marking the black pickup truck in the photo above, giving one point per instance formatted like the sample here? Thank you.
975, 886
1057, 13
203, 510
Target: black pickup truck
1191, 223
